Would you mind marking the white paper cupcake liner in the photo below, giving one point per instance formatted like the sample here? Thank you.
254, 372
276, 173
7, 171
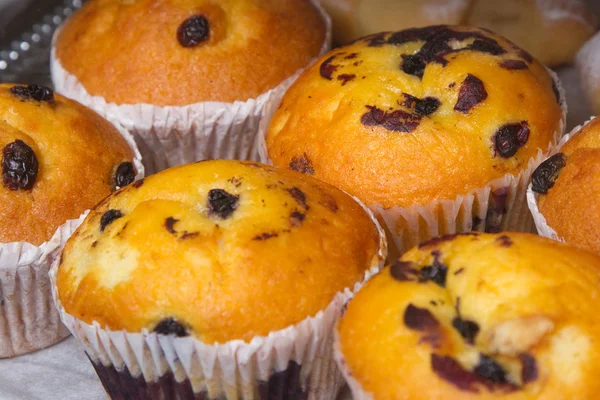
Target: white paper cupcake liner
28, 319
500, 205
173, 135
541, 225
292, 363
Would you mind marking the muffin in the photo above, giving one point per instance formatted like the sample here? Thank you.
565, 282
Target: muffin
537, 26
478, 316
188, 78
437, 129
226, 260
58, 160
564, 193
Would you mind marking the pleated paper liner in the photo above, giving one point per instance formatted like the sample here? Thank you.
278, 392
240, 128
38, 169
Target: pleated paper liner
541, 225
292, 363
173, 135
28, 319
498, 206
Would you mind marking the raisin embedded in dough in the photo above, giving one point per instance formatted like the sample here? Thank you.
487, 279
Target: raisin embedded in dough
19, 166
472, 92
193, 31
124, 174
170, 326
509, 138
109, 217
302, 164
419, 319
545, 175
33, 92
222, 204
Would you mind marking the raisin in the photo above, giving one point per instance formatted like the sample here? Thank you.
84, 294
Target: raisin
510, 138
472, 92
419, 319
504, 241
170, 223
19, 166
327, 68
451, 371
487, 45
345, 78
222, 204
436, 272
109, 217
427, 106
33, 92
376, 40
414, 65
124, 175
170, 326
299, 196
302, 165
265, 236
403, 271
395, 121
193, 31
513, 64
138, 184
529, 372
490, 369
525, 55
545, 175
467, 329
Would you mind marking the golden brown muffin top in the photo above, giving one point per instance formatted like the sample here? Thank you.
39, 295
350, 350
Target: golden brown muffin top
479, 316
179, 52
58, 160
569, 188
418, 115
220, 250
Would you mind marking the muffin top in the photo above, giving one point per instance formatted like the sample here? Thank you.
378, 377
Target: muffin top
478, 316
178, 52
58, 160
220, 250
418, 115
569, 188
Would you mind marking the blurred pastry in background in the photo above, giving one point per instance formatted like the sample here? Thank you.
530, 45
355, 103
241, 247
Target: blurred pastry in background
356, 18
538, 26
552, 30
588, 68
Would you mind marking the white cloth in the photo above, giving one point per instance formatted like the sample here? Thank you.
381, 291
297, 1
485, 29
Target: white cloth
60, 372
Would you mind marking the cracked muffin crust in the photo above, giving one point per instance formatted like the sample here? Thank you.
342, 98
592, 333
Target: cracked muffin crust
58, 160
418, 115
219, 250
478, 316
180, 52
568, 190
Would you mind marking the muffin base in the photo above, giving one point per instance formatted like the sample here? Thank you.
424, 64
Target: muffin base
541, 224
174, 135
500, 205
28, 319
294, 363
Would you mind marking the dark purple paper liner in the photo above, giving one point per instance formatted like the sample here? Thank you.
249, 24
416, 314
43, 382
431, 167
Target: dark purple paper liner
121, 385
